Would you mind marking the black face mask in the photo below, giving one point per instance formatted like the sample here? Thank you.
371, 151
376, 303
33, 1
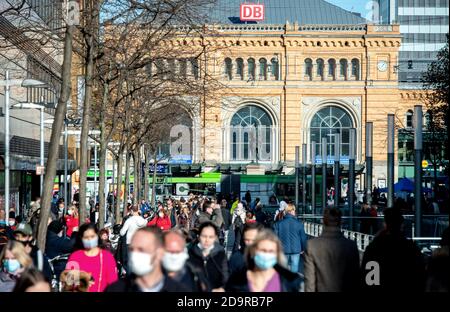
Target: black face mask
25, 243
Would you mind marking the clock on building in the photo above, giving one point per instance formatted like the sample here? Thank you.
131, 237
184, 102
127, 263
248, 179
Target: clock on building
382, 66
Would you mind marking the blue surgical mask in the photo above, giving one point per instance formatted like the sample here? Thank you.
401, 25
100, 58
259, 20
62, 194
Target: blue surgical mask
265, 260
90, 243
11, 265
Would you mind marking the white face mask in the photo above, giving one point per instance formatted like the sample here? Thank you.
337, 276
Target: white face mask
174, 262
11, 222
70, 212
141, 263
161, 215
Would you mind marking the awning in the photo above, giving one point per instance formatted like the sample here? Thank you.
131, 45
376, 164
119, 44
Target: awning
29, 163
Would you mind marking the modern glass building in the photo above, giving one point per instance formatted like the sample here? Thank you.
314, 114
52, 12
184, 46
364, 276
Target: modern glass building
424, 25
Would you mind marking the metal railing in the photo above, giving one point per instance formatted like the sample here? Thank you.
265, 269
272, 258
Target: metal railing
362, 240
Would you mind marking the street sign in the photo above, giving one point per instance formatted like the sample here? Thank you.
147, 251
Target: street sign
424, 163
40, 170
252, 12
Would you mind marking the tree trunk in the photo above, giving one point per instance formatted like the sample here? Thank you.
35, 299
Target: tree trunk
84, 144
127, 182
53, 150
155, 164
146, 170
119, 186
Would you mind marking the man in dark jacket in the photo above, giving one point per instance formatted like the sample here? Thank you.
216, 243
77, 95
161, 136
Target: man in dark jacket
293, 237
57, 245
24, 234
209, 256
237, 261
331, 260
391, 262
146, 254
174, 263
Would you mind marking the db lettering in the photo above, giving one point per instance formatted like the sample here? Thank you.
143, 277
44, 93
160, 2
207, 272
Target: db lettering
252, 12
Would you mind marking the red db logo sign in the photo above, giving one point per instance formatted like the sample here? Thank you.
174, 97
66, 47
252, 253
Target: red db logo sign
252, 12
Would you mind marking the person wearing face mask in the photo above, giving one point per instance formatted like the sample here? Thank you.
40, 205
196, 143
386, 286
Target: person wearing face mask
209, 256
89, 257
146, 255
174, 263
57, 211
24, 235
13, 261
265, 269
12, 220
162, 221
237, 261
133, 223
72, 220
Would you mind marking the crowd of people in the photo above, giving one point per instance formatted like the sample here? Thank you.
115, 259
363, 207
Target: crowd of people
211, 244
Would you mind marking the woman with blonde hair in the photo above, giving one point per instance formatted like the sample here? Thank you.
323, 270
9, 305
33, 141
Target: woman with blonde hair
265, 269
72, 220
13, 261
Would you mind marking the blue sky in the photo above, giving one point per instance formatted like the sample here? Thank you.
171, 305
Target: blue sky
354, 6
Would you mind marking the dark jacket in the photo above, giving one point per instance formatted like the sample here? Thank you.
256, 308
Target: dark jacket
227, 219
128, 284
56, 246
290, 281
214, 266
401, 264
292, 234
236, 262
39, 259
331, 263
193, 279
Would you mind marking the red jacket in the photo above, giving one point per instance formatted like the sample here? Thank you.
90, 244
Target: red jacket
163, 223
71, 222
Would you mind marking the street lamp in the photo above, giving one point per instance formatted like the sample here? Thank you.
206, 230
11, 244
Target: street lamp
7, 83
41, 107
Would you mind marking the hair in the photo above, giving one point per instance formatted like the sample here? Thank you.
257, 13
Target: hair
290, 208
29, 278
79, 239
177, 232
393, 219
264, 234
332, 217
206, 205
103, 231
75, 210
18, 250
208, 224
135, 208
157, 233
252, 226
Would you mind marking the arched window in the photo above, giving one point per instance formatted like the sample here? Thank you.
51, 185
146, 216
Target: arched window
327, 122
355, 68
409, 119
240, 68
251, 134
275, 68
320, 63
262, 69
308, 68
427, 120
229, 68
149, 69
171, 68
343, 68
251, 68
332, 68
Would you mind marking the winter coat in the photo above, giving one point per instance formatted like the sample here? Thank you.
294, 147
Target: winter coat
163, 223
290, 281
331, 263
291, 233
214, 266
